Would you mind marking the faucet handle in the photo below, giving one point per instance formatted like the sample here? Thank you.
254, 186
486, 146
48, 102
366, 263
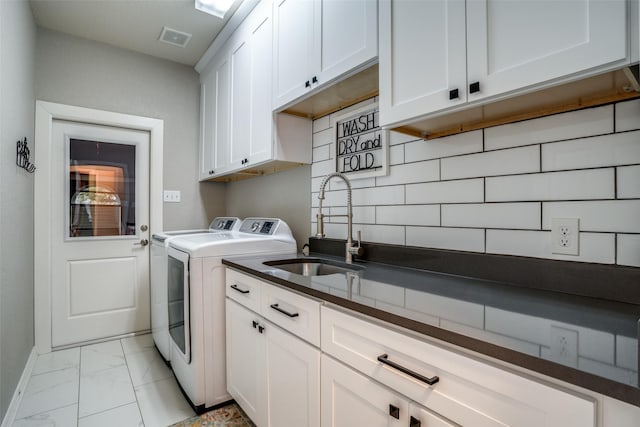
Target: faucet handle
357, 250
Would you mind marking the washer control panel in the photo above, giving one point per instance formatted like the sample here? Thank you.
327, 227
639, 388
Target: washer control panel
262, 226
224, 224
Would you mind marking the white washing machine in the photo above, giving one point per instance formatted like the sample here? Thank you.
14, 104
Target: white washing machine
196, 280
159, 299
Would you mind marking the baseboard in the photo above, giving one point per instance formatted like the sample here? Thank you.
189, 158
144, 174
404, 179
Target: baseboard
10, 416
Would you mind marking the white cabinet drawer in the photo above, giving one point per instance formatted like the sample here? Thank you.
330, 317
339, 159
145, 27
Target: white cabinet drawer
243, 289
294, 313
468, 392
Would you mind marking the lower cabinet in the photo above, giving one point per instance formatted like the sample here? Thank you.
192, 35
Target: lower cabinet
351, 399
459, 388
373, 374
273, 375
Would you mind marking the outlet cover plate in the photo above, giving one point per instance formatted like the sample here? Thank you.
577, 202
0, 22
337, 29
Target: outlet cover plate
172, 196
565, 236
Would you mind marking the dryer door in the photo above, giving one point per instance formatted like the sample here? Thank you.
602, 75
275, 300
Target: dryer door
178, 298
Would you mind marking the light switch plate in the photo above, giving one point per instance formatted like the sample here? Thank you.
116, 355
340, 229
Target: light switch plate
172, 196
565, 235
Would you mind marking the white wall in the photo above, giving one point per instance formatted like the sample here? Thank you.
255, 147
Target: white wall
81, 72
496, 190
17, 50
282, 195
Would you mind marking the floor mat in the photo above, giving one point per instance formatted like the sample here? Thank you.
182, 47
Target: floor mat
227, 416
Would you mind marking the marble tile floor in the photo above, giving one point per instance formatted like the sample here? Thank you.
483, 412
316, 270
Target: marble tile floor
120, 383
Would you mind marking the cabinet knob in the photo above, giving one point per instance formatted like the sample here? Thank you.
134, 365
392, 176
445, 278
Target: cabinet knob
414, 422
474, 87
211, 172
454, 94
394, 411
254, 323
314, 79
260, 328
307, 84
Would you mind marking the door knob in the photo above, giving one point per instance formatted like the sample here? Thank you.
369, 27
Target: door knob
144, 227
143, 243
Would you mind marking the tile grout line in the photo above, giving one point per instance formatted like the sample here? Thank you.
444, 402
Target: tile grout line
135, 393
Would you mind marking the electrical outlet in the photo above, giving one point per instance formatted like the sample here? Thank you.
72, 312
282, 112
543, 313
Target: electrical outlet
172, 196
565, 235
564, 346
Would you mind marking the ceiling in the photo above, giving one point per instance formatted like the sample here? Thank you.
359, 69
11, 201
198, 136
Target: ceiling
134, 24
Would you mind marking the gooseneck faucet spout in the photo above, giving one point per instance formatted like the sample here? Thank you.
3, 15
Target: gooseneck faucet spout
351, 249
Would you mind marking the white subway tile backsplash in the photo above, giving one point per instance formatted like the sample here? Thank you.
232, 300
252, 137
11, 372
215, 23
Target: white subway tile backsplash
461, 239
501, 162
598, 151
396, 138
389, 234
571, 185
594, 247
628, 182
604, 216
628, 115
492, 215
321, 124
496, 190
459, 191
361, 214
408, 215
576, 124
411, 172
393, 195
396, 155
464, 143
322, 138
321, 153
320, 169
629, 250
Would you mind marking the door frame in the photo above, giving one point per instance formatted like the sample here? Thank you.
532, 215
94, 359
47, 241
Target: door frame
45, 113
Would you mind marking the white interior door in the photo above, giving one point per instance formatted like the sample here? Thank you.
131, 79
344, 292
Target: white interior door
99, 232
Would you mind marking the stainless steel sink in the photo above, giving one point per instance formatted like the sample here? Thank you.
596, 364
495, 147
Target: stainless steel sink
313, 266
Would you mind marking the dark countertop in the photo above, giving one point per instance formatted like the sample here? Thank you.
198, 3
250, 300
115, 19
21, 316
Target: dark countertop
525, 327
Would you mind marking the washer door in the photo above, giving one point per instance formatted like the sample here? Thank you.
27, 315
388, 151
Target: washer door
178, 298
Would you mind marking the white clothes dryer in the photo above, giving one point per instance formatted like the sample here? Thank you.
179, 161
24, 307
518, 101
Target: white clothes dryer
196, 280
158, 289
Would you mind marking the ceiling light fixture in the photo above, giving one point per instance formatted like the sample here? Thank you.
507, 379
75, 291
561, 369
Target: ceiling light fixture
214, 7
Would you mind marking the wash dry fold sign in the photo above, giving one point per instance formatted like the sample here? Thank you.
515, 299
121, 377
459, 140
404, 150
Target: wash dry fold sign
361, 145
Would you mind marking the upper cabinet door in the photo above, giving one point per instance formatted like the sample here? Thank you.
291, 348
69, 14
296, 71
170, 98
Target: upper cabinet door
347, 36
293, 48
422, 57
214, 103
516, 44
316, 42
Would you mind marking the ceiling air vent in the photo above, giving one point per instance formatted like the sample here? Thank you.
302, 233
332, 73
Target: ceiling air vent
174, 37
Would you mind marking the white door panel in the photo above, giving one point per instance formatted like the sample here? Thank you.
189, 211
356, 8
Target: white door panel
100, 216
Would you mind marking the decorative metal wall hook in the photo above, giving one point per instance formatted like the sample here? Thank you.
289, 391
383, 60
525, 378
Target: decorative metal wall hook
23, 155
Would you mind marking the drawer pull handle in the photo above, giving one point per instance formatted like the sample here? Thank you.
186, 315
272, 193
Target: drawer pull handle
414, 422
285, 312
394, 411
384, 358
236, 288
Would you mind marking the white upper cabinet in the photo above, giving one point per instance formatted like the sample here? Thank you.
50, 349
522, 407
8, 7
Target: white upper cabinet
317, 42
214, 120
250, 59
239, 129
437, 55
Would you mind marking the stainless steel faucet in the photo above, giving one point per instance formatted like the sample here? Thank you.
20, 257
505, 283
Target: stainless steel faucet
350, 249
